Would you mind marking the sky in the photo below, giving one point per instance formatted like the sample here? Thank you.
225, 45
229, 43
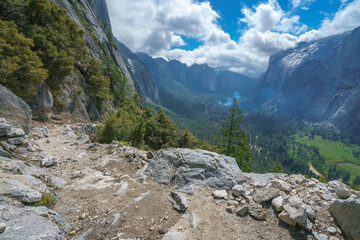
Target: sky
227, 34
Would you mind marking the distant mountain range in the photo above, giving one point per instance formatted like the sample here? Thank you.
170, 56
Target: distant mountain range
316, 81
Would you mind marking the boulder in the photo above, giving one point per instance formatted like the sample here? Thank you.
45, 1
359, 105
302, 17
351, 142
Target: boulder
185, 166
346, 214
16, 189
42, 104
265, 194
25, 223
16, 112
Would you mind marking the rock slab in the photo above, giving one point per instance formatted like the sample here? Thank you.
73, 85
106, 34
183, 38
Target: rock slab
16, 112
185, 166
346, 214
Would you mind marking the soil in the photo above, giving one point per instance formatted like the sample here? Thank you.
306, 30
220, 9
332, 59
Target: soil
95, 207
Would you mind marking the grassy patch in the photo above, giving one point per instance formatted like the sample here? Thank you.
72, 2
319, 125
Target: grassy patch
335, 152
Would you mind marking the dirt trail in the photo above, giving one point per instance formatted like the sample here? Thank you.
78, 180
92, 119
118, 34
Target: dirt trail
314, 170
104, 198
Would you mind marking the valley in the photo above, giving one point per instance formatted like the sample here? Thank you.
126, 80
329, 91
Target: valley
111, 136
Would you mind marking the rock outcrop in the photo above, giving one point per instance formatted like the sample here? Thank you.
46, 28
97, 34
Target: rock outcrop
346, 214
16, 112
185, 167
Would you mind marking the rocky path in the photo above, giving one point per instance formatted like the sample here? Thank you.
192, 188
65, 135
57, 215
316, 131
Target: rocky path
104, 198
108, 191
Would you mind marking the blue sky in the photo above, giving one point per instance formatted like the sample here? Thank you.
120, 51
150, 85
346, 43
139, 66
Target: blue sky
226, 34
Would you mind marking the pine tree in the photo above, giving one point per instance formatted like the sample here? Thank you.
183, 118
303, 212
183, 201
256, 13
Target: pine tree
234, 141
346, 177
187, 140
21, 70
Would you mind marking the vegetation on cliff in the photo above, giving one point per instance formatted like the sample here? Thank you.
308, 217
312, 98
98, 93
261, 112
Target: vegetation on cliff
39, 42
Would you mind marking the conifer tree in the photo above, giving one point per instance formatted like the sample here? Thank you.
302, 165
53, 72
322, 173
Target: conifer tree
234, 141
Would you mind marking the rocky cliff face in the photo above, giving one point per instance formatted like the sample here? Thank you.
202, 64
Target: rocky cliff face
92, 17
144, 81
320, 78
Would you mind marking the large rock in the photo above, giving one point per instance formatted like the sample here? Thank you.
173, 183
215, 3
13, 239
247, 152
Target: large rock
341, 189
16, 189
25, 223
14, 110
296, 209
346, 214
185, 166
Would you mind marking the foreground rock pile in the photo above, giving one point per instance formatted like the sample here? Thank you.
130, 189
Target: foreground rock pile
295, 200
315, 207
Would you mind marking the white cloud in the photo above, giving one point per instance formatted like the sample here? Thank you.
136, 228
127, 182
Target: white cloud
264, 18
345, 19
156, 26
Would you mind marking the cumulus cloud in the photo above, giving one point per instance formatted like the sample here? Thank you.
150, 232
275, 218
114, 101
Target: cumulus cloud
345, 19
157, 27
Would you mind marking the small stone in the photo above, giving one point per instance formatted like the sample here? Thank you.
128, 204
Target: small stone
162, 231
220, 194
238, 190
17, 141
278, 203
232, 203
230, 209
257, 211
332, 230
333, 238
298, 178
149, 155
152, 228
265, 194
285, 217
280, 184
326, 197
2, 227
181, 203
166, 217
307, 225
72, 233
319, 236
310, 212
242, 211
16, 132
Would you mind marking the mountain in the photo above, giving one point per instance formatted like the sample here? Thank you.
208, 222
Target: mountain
316, 81
144, 81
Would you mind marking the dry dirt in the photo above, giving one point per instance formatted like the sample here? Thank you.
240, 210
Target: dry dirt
91, 204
